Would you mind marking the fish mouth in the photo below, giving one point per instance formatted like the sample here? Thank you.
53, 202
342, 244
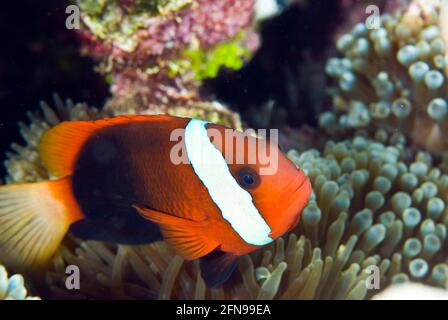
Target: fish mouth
298, 202
300, 196
294, 199
302, 180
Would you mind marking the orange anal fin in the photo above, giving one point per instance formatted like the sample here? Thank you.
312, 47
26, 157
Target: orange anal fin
190, 238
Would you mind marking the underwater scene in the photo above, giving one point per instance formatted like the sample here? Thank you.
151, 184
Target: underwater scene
224, 150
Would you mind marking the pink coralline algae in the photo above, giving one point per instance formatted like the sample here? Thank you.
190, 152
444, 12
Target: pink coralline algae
157, 52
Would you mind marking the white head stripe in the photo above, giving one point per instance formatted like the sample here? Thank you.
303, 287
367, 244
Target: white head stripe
235, 203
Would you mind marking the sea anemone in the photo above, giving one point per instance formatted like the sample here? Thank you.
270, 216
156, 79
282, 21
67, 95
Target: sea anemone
385, 200
156, 53
374, 203
392, 78
13, 288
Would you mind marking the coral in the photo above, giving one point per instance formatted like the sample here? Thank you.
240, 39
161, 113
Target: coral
158, 52
373, 204
13, 288
392, 78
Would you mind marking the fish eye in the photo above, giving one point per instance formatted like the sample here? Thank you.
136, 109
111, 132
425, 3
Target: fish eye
248, 178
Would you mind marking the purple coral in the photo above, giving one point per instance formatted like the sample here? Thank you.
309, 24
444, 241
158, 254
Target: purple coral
146, 60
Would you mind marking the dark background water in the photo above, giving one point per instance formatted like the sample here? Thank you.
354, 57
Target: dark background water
40, 57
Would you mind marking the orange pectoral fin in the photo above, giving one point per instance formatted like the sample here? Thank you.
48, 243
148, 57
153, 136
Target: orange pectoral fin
188, 237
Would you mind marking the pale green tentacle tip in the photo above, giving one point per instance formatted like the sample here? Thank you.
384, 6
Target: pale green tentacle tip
379, 33
437, 109
437, 46
361, 47
429, 33
13, 288
441, 231
311, 214
348, 165
374, 236
427, 227
435, 208
411, 217
327, 119
418, 70
359, 30
434, 79
383, 86
374, 200
430, 189
400, 201
423, 49
412, 248
400, 278
382, 46
407, 55
386, 218
347, 81
389, 170
329, 188
418, 268
345, 42
420, 169
361, 221
409, 181
431, 244
360, 143
262, 273
358, 178
382, 184
358, 115
380, 110
401, 108
439, 274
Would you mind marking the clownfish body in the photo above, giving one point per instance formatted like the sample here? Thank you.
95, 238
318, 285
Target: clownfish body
140, 179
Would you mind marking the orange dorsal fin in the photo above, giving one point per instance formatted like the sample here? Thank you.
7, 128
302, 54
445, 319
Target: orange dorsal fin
60, 145
189, 238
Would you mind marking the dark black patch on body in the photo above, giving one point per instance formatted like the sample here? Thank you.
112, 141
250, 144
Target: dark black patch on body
217, 267
104, 182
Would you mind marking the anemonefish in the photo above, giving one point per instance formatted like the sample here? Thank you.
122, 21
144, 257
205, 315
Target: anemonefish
115, 180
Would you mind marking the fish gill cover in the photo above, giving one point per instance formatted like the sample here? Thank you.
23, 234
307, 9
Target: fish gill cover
379, 189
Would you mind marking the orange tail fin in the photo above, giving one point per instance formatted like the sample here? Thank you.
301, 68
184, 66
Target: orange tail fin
34, 217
